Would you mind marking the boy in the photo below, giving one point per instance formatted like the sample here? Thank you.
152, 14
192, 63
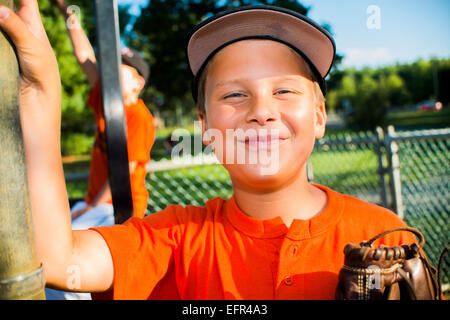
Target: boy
97, 209
278, 237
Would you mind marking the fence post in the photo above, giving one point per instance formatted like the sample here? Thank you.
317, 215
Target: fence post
379, 133
394, 172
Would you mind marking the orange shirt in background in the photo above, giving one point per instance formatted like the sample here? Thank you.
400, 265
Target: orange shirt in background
218, 252
140, 132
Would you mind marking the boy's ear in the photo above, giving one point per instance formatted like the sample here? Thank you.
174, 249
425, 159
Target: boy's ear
321, 120
203, 123
141, 82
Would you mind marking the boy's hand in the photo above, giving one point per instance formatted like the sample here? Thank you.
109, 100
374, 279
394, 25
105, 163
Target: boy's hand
40, 88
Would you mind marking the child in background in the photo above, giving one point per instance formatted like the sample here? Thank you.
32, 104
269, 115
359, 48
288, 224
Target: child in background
96, 209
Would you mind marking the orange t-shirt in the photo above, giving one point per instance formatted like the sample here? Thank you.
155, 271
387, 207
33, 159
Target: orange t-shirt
218, 252
140, 132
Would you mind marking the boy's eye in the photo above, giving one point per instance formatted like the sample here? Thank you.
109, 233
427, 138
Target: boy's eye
233, 95
283, 91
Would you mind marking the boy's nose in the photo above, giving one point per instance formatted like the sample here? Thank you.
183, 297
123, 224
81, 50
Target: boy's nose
262, 110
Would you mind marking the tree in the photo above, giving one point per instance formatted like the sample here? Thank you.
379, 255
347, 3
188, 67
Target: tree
398, 95
443, 81
418, 79
370, 104
366, 95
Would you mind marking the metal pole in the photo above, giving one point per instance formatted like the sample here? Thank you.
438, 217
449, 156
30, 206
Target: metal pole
394, 172
381, 168
107, 21
20, 273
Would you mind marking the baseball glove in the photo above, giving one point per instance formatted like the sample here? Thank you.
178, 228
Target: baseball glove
383, 273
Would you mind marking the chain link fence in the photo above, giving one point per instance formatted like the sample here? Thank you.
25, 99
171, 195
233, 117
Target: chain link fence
193, 180
407, 172
348, 164
424, 159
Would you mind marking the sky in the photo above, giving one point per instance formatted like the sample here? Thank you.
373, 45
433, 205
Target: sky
376, 33
407, 29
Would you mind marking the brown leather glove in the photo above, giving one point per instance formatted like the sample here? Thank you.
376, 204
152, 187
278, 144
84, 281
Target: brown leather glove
383, 273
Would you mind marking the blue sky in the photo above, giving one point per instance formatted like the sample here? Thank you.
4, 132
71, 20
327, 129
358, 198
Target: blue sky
408, 29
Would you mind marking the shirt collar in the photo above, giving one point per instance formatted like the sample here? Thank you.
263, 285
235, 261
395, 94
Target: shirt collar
275, 227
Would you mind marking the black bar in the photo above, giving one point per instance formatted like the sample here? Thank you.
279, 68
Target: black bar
109, 70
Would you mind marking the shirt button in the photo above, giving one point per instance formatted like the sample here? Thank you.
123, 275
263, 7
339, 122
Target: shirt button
288, 281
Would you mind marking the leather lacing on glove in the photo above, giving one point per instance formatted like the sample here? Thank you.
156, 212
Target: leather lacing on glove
384, 273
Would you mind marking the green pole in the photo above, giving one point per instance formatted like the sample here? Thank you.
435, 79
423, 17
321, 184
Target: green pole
20, 273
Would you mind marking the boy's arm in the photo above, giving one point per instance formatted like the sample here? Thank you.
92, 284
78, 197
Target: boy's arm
84, 53
60, 250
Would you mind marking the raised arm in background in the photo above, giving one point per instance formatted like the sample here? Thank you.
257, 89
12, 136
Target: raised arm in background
82, 48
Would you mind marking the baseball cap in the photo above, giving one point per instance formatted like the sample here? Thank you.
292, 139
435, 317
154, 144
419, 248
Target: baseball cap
131, 58
307, 38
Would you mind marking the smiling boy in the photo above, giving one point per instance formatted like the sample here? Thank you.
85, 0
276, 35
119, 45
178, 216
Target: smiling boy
278, 237
278, 97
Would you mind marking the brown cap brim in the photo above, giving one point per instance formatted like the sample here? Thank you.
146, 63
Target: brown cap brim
310, 40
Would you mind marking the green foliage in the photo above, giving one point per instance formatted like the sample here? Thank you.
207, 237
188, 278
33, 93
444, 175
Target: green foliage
367, 95
76, 144
398, 94
369, 104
